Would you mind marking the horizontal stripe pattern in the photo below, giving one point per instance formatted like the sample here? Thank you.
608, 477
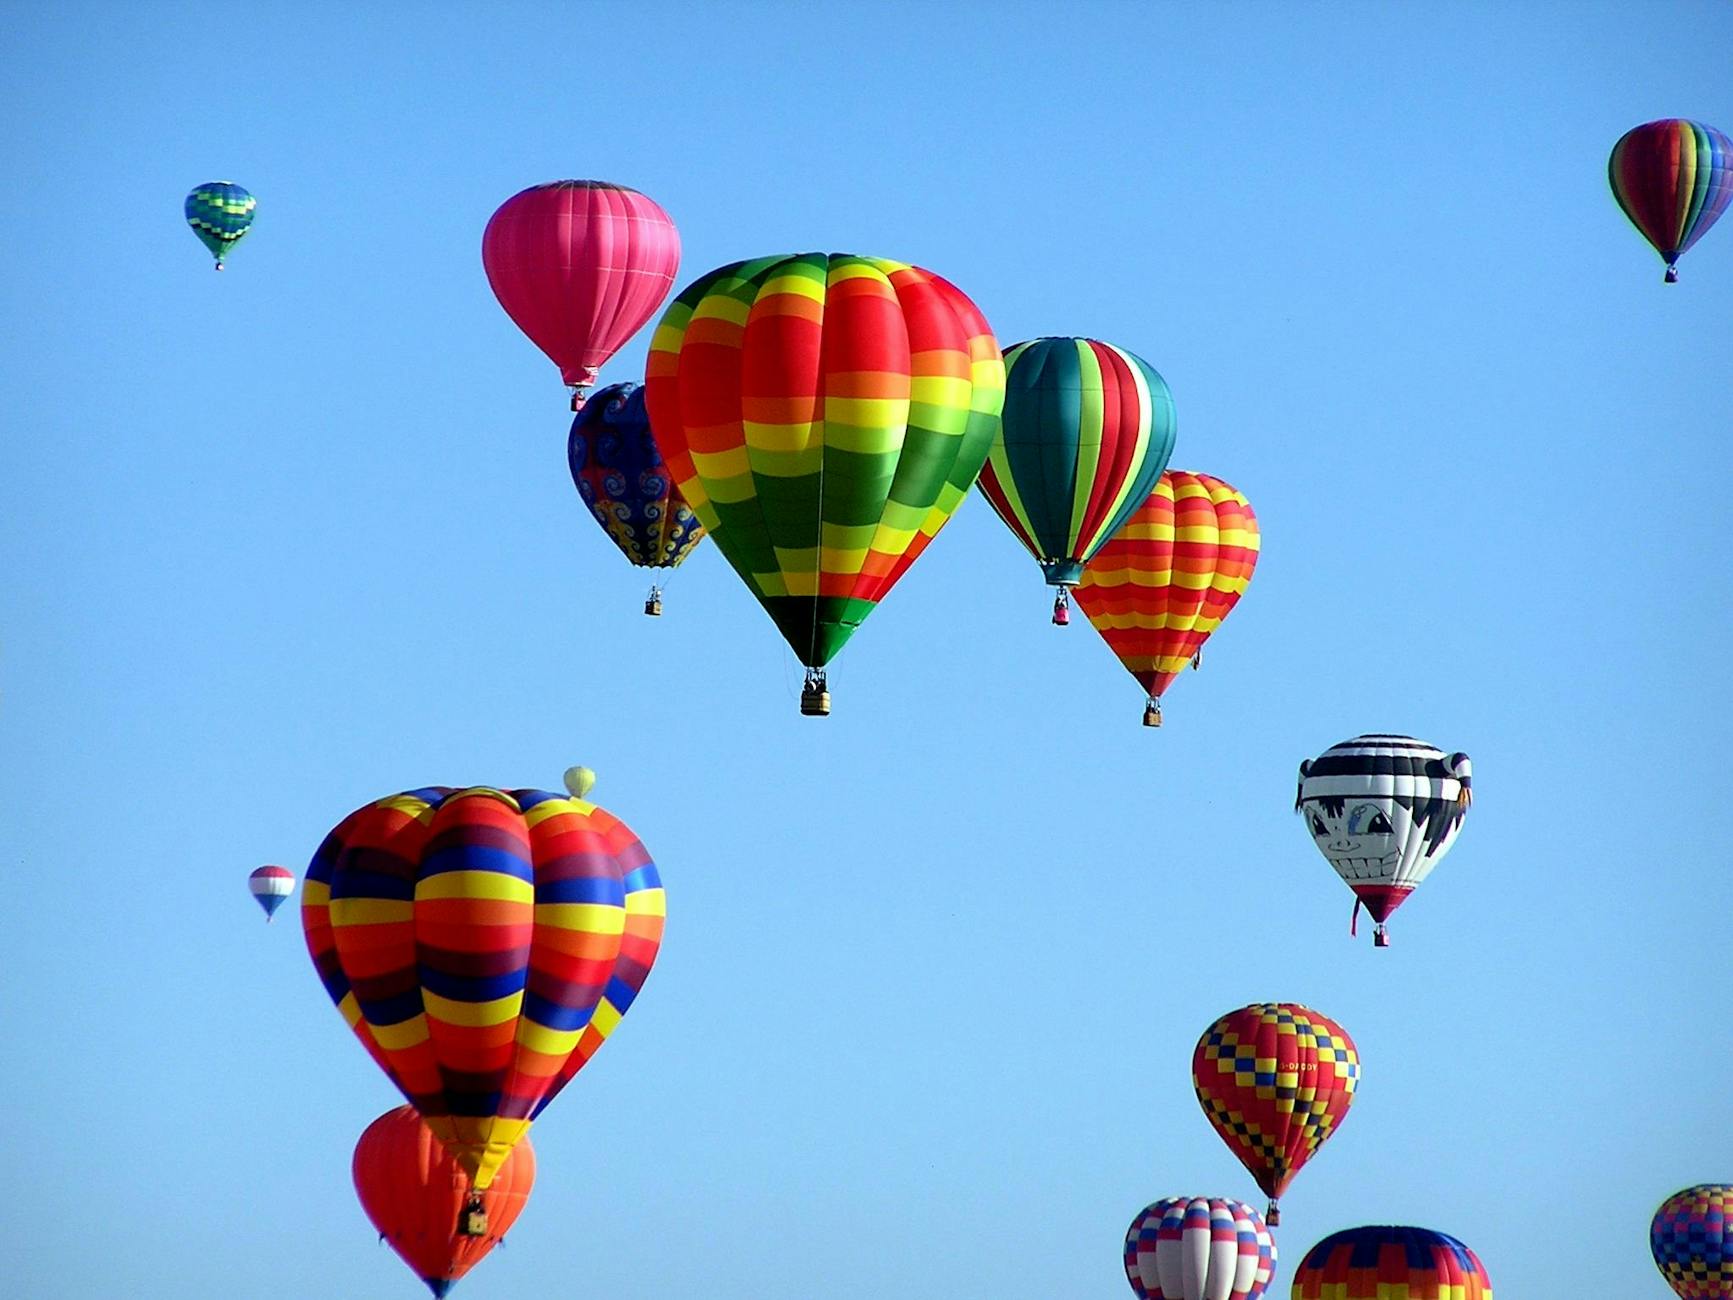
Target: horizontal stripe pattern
477, 940
824, 415
1164, 582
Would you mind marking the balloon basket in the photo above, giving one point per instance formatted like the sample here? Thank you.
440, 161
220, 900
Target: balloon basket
1380, 936
653, 603
1152, 714
473, 1221
1273, 1216
815, 697
1062, 608
1672, 276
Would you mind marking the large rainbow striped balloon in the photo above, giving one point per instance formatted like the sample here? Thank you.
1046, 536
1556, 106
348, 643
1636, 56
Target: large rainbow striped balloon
1378, 1263
1671, 177
482, 944
1169, 577
824, 415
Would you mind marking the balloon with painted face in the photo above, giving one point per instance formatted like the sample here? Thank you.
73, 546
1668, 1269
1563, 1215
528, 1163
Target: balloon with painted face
1384, 810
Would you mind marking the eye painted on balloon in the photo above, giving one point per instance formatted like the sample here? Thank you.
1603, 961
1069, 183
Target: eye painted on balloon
1368, 819
1318, 827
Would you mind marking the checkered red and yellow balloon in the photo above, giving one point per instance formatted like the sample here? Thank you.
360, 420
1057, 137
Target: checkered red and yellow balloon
1276, 1080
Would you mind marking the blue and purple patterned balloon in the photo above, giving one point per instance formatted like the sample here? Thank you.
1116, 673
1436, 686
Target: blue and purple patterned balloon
619, 472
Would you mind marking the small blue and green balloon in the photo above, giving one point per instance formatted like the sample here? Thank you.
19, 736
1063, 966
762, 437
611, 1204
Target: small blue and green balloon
220, 213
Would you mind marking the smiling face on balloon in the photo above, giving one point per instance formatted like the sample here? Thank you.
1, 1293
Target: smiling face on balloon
1361, 837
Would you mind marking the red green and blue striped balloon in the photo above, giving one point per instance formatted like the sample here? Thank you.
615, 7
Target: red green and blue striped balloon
1671, 178
482, 944
1086, 431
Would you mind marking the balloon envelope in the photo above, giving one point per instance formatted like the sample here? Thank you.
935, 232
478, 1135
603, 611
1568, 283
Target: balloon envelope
580, 266
823, 414
482, 944
270, 886
415, 1194
1086, 431
1165, 581
1276, 1080
618, 471
1672, 179
1384, 810
220, 214
1375, 1263
1691, 1237
1199, 1248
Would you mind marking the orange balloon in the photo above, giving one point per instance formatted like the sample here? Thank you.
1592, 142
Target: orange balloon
415, 1194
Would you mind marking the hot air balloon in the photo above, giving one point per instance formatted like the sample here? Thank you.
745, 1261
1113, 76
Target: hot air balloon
823, 414
1086, 432
1671, 178
620, 475
270, 886
1376, 1263
482, 944
1384, 810
1692, 1240
414, 1192
580, 266
1199, 1248
1276, 1080
579, 781
1169, 576
220, 213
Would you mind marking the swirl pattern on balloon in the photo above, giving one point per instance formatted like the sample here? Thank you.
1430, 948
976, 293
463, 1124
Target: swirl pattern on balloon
619, 472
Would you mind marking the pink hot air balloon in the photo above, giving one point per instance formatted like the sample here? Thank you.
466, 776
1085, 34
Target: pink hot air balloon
580, 266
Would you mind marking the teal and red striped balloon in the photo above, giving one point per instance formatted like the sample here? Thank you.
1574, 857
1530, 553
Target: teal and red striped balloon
1086, 431
482, 944
1671, 177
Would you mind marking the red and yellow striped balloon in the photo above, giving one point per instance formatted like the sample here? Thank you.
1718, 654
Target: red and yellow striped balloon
1168, 578
482, 944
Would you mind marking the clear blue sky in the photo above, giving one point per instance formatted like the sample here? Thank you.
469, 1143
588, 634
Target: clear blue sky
277, 542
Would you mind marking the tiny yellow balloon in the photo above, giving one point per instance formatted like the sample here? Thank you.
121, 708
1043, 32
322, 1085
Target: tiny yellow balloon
579, 781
